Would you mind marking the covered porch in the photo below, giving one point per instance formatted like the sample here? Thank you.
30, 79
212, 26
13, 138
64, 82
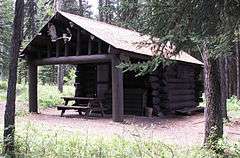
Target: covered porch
81, 62
61, 42
96, 48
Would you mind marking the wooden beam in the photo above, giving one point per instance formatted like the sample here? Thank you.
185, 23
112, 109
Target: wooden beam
57, 49
49, 50
99, 47
78, 43
32, 73
102, 79
117, 90
66, 50
89, 46
84, 59
78, 85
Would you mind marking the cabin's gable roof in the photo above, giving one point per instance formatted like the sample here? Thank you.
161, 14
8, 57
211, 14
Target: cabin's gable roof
121, 38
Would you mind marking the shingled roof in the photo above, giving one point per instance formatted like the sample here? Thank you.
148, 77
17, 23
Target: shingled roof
121, 38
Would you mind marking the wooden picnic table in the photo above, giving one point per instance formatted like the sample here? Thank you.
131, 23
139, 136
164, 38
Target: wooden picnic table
82, 104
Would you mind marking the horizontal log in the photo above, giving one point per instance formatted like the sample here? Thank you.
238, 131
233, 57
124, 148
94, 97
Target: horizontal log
181, 86
84, 59
181, 92
182, 105
183, 98
187, 80
185, 76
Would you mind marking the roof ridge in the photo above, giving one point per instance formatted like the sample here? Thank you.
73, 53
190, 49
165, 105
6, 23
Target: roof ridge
95, 20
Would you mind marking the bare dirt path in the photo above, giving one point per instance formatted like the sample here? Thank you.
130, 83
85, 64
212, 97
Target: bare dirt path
187, 130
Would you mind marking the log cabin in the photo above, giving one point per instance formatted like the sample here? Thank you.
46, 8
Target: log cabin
96, 48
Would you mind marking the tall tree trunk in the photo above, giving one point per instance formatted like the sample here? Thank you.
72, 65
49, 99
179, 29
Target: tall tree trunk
31, 12
226, 76
80, 7
58, 4
238, 66
60, 77
108, 15
100, 9
9, 117
223, 85
232, 78
213, 111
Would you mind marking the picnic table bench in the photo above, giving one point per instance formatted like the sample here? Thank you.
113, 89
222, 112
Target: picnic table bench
82, 104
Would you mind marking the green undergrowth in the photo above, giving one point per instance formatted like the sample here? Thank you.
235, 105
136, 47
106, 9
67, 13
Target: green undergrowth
38, 141
233, 107
48, 95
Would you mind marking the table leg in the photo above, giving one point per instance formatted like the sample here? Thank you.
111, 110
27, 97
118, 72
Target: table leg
101, 106
80, 112
66, 102
62, 113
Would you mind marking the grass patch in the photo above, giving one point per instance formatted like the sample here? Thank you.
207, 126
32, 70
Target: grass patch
233, 107
39, 141
48, 95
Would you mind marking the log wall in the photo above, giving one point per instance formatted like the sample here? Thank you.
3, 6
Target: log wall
86, 80
167, 89
135, 98
184, 87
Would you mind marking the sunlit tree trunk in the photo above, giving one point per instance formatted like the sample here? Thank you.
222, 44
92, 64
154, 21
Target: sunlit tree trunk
9, 117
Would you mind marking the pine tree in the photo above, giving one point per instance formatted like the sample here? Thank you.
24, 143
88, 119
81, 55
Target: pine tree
6, 20
9, 117
127, 13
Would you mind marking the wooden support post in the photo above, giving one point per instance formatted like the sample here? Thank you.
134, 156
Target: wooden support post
102, 80
117, 90
57, 49
32, 73
49, 50
99, 47
78, 85
78, 43
154, 80
60, 77
66, 50
89, 46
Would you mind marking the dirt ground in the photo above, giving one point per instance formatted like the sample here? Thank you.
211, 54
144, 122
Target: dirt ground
179, 130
